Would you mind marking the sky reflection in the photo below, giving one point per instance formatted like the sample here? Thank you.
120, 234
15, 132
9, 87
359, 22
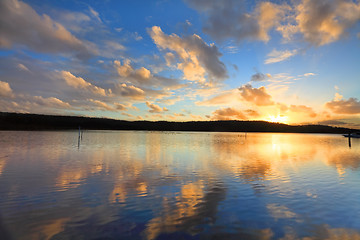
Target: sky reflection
155, 185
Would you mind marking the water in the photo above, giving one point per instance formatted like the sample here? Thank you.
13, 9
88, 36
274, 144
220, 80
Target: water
178, 185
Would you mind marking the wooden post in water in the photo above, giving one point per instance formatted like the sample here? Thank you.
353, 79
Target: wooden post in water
349, 141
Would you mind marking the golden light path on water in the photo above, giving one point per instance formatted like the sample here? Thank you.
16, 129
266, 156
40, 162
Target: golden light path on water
154, 185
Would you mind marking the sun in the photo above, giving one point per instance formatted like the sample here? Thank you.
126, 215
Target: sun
277, 119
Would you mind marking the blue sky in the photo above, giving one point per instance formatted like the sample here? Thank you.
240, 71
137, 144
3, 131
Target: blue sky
294, 62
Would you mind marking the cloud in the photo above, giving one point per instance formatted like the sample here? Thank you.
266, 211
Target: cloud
197, 59
303, 109
142, 76
350, 106
102, 106
257, 77
22, 67
309, 74
278, 56
258, 96
319, 22
112, 45
228, 114
323, 22
95, 14
229, 19
224, 98
120, 106
170, 101
338, 97
5, 90
126, 70
155, 108
80, 83
20, 24
333, 122
51, 102
129, 91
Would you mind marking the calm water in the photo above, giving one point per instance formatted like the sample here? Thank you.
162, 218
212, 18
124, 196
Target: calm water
175, 185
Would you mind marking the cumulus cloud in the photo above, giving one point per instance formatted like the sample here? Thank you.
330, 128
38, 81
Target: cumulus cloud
323, 22
257, 96
80, 83
350, 106
197, 59
303, 109
129, 91
229, 19
5, 90
20, 24
155, 108
257, 77
278, 56
127, 71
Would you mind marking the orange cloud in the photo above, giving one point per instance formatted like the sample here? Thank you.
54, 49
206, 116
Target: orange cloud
350, 106
303, 109
197, 59
50, 102
278, 56
129, 91
102, 106
5, 90
80, 83
126, 70
257, 96
225, 98
228, 114
323, 22
155, 108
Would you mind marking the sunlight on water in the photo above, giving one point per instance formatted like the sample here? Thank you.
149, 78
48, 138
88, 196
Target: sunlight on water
160, 185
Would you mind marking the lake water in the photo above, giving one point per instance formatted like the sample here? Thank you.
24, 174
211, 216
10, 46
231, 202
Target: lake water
178, 185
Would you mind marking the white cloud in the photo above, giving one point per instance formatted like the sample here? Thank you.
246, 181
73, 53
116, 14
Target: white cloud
278, 56
155, 108
95, 14
309, 74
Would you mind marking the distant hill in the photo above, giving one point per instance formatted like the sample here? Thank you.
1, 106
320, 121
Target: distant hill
19, 121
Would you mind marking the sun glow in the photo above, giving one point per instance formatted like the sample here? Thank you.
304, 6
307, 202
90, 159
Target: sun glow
278, 119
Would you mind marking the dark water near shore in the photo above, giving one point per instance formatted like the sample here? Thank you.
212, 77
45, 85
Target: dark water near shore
178, 185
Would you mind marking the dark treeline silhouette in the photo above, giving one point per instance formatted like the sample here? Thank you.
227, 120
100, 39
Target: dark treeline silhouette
19, 121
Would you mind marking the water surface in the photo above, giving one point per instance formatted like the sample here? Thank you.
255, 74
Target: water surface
178, 185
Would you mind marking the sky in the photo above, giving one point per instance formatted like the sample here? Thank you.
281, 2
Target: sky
294, 62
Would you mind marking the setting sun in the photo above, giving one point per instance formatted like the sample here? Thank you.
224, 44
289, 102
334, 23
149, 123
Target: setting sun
277, 119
